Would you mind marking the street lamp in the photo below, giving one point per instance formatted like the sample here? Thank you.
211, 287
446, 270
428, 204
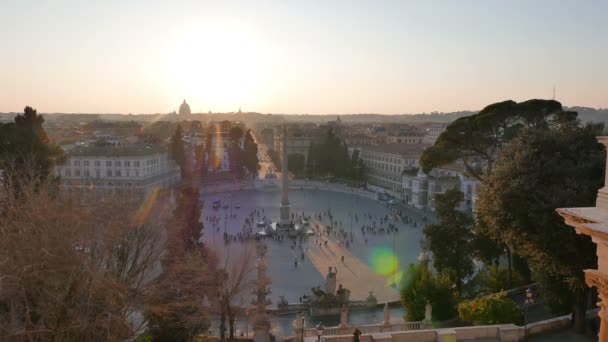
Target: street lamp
320, 328
528, 301
302, 330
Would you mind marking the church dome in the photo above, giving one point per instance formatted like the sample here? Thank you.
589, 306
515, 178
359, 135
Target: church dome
184, 109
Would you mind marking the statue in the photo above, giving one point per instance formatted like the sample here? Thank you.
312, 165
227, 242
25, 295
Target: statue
330, 281
344, 316
428, 312
387, 315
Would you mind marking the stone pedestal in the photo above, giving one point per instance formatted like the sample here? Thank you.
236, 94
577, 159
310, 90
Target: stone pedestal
344, 317
594, 223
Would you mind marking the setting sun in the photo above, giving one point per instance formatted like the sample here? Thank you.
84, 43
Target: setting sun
218, 66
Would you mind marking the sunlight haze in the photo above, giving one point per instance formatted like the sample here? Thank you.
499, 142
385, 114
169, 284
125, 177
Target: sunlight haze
299, 57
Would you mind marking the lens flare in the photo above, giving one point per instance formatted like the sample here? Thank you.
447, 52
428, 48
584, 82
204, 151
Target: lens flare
383, 261
145, 209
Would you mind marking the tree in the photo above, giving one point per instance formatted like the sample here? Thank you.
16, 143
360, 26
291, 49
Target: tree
295, 163
175, 305
419, 286
478, 139
491, 309
250, 152
177, 149
542, 170
235, 134
236, 283
73, 267
25, 150
450, 240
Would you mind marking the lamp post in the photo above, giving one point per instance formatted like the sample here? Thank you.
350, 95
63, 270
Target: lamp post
528, 301
320, 328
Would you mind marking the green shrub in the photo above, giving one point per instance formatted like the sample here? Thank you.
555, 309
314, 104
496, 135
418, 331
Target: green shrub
491, 309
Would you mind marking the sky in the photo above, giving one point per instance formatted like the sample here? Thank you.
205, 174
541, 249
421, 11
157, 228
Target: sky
299, 57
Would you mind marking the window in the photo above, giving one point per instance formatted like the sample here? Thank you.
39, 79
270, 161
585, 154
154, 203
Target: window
109, 173
97, 173
86, 173
117, 173
117, 163
77, 172
97, 163
127, 163
85, 163
76, 162
136, 163
109, 163
68, 172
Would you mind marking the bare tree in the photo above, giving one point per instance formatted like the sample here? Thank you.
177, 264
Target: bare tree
235, 286
74, 268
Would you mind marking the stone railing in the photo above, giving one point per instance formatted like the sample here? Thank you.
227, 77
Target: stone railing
366, 329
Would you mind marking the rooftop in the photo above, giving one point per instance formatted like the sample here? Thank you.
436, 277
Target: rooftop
401, 149
116, 151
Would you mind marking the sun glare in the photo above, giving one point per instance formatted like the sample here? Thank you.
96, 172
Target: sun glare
218, 67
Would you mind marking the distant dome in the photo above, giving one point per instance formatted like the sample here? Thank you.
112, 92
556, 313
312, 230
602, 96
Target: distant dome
184, 109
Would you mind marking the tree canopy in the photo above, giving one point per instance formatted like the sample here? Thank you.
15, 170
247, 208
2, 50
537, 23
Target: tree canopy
542, 170
451, 240
25, 147
478, 139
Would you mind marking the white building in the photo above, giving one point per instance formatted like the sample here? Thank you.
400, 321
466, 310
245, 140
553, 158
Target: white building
419, 189
386, 163
432, 133
105, 167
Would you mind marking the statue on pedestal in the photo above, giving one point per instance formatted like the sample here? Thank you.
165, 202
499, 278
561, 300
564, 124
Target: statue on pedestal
344, 316
330, 281
428, 313
387, 315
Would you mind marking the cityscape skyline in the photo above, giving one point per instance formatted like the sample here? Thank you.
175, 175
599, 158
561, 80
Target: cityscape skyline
299, 58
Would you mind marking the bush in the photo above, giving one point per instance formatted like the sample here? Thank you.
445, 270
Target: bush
491, 309
418, 286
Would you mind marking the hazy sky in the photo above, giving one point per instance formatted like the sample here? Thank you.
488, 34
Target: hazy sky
300, 56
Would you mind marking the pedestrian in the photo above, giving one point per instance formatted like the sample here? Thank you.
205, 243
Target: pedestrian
356, 334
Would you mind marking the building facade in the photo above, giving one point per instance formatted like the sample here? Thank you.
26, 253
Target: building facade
384, 164
419, 189
110, 168
433, 132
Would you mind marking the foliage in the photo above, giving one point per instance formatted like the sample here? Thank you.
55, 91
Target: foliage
330, 159
26, 153
65, 280
295, 163
177, 149
495, 278
539, 171
175, 308
250, 153
491, 309
451, 240
478, 139
420, 286
235, 134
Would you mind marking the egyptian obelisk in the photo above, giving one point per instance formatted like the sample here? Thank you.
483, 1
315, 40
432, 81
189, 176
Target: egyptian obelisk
285, 220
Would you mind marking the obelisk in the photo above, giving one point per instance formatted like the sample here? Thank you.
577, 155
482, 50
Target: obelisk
285, 220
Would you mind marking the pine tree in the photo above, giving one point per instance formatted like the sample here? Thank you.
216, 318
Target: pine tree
177, 149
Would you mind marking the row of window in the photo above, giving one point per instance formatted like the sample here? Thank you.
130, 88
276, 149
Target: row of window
382, 158
116, 163
98, 173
